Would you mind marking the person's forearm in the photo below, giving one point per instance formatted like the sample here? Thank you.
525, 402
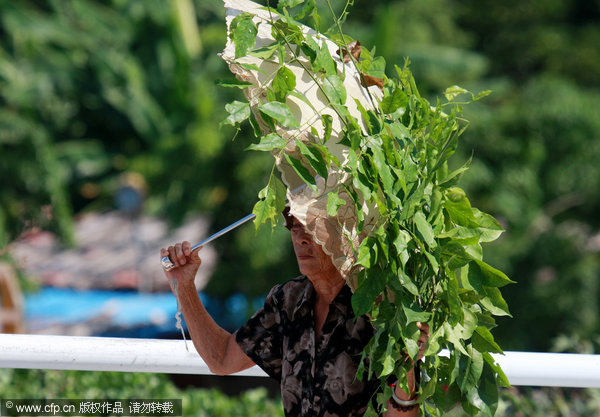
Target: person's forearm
210, 340
403, 395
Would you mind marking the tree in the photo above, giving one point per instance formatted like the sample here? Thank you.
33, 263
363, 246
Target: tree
533, 141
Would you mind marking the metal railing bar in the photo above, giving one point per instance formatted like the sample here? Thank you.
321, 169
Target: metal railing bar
171, 356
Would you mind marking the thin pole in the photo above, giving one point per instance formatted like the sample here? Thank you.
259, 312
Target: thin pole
168, 265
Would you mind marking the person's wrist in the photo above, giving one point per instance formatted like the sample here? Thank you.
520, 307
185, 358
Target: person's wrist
402, 397
401, 400
183, 284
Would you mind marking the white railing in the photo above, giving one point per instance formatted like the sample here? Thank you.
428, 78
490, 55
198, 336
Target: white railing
171, 356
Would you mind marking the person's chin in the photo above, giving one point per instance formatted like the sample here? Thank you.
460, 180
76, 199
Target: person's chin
306, 266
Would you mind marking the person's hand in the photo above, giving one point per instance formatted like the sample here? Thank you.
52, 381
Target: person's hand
423, 339
185, 260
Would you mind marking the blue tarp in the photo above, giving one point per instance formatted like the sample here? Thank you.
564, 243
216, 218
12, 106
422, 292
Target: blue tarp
122, 308
124, 313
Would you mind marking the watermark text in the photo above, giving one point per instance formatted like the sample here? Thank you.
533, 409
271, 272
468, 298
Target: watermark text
84, 407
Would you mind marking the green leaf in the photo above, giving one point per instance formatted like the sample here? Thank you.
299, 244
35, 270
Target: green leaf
482, 94
411, 335
433, 344
334, 89
371, 120
424, 228
233, 83
310, 48
255, 126
265, 52
302, 172
361, 183
457, 195
288, 3
327, 120
461, 236
388, 360
470, 370
367, 253
430, 386
447, 178
484, 395
284, 81
398, 130
370, 284
500, 375
455, 255
494, 302
383, 168
238, 112
333, 204
474, 250
281, 53
453, 335
393, 101
280, 194
264, 209
314, 158
432, 261
327, 155
308, 9
280, 112
268, 143
375, 67
490, 228
401, 241
407, 283
455, 306
243, 33
324, 61
271, 203
250, 67
461, 213
483, 341
452, 92
483, 274
414, 312
469, 323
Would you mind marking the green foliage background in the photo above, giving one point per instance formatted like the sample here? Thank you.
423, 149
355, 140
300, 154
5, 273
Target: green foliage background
90, 91
49, 384
37, 384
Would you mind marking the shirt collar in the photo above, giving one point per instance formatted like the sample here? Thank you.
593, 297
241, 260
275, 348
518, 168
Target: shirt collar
342, 301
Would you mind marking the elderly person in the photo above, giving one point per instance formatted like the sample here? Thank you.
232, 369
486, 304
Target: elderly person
306, 336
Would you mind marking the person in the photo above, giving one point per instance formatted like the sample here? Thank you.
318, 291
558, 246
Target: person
306, 336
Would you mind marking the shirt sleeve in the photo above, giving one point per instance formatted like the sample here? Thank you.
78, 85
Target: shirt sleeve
261, 336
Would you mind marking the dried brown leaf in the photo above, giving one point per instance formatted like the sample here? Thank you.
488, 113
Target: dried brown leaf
355, 50
369, 80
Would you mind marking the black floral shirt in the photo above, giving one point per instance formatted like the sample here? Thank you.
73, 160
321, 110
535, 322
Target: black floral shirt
317, 376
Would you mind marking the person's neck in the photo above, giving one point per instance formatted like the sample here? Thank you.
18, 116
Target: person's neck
328, 288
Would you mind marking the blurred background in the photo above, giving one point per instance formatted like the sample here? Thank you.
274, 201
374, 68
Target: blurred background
110, 148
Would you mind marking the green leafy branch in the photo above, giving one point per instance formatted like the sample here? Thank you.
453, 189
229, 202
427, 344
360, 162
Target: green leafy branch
422, 258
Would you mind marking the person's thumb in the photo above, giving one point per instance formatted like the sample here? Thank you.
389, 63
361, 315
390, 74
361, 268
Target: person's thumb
195, 256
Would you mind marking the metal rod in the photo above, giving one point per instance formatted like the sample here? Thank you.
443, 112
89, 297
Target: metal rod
168, 265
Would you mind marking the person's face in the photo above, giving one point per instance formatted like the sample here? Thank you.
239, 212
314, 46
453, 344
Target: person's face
312, 260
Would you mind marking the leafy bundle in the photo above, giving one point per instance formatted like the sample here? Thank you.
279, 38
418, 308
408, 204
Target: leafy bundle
422, 259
